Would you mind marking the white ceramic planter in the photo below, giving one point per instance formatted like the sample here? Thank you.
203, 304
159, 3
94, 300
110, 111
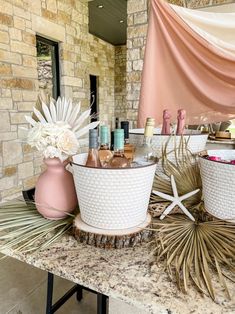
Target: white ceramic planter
112, 198
218, 182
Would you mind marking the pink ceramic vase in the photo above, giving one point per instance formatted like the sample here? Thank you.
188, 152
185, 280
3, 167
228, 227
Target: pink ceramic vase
55, 193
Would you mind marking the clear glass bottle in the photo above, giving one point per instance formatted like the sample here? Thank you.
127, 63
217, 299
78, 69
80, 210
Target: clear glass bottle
144, 152
118, 160
104, 152
128, 148
93, 154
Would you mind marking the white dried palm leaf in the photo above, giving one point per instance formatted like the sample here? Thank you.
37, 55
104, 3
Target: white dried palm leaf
62, 110
53, 111
74, 114
30, 120
84, 130
68, 111
81, 119
39, 116
47, 113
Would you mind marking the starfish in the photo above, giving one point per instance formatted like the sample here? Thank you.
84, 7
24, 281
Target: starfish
175, 199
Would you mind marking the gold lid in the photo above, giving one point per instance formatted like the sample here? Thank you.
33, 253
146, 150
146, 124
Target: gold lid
150, 122
149, 126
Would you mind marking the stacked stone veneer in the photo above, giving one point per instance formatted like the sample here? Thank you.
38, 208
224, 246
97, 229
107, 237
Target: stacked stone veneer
81, 54
137, 11
120, 81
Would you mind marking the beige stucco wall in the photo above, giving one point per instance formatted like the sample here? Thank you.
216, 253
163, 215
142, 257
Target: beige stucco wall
136, 38
81, 54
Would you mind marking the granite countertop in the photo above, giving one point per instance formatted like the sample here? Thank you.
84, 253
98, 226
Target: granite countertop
128, 274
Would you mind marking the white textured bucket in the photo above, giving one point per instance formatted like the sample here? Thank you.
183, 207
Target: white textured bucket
112, 198
196, 141
218, 182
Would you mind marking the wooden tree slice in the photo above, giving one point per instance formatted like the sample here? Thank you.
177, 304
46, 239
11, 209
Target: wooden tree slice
118, 239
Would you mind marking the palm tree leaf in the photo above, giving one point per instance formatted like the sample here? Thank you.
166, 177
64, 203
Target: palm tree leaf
81, 119
84, 130
74, 114
192, 250
47, 113
24, 229
53, 111
39, 115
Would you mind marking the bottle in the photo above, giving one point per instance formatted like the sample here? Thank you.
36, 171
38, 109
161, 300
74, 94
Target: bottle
128, 148
166, 125
112, 141
116, 123
118, 160
144, 152
93, 155
104, 152
181, 122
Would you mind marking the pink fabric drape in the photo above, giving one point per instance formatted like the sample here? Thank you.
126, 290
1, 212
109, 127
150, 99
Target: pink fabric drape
183, 70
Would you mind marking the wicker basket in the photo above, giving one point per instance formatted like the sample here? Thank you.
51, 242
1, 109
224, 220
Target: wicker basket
112, 198
218, 181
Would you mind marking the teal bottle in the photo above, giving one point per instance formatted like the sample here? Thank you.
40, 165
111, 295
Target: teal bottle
118, 160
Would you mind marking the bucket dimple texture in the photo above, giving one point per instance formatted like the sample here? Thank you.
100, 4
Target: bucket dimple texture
196, 142
113, 198
218, 181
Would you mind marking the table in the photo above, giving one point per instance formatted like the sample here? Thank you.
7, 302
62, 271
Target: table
130, 275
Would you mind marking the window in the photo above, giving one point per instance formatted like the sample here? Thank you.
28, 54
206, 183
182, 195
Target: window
48, 66
94, 97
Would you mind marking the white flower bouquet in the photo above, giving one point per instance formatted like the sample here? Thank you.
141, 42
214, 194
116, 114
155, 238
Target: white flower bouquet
57, 129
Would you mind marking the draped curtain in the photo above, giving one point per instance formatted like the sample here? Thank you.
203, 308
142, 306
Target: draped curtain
189, 63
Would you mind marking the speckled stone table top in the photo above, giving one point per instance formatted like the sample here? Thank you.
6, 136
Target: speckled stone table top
129, 274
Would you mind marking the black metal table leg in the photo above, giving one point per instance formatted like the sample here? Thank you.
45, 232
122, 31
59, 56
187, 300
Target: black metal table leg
102, 300
50, 282
102, 304
79, 293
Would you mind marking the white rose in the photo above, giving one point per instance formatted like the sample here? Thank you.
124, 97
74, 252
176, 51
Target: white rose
68, 143
52, 152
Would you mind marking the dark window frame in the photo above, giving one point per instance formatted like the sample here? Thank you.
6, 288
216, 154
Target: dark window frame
55, 64
94, 100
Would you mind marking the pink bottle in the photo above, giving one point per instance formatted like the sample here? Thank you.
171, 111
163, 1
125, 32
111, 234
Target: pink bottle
166, 127
55, 189
181, 122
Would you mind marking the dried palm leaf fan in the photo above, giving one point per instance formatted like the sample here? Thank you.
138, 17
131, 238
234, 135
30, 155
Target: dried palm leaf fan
23, 229
185, 169
199, 252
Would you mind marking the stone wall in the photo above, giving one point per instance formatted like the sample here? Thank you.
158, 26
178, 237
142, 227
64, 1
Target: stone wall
45, 76
81, 54
137, 12
120, 81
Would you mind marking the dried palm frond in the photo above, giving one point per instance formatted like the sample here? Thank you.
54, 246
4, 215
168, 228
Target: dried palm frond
62, 110
185, 169
23, 229
196, 252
